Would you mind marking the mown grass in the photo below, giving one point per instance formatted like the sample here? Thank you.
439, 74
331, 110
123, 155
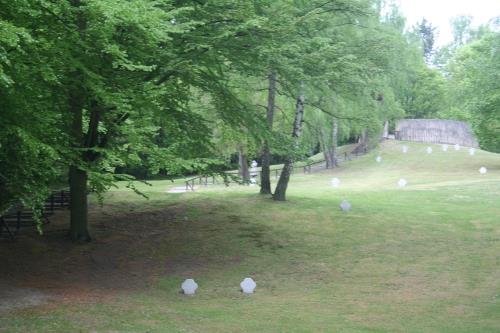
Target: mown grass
425, 258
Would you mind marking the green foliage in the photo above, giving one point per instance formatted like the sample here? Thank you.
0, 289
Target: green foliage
476, 89
427, 94
18, 179
147, 88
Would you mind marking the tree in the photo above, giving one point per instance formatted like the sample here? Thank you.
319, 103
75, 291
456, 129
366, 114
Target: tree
265, 182
425, 99
427, 34
476, 90
118, 70
281, 187
461, 30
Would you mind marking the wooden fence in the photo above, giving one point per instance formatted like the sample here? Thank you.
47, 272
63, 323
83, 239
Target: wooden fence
17, 216
205, 180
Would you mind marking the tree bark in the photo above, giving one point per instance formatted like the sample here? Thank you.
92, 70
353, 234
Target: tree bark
362, 143
78, 205
243, 164
77, 176
333, 147
281, 187
329, 144
385, 134
265, 180
325, 147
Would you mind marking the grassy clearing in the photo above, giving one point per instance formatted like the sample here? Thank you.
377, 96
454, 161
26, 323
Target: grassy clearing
425, 258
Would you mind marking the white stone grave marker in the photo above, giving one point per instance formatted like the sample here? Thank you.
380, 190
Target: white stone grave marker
253, 173
483, 170
444, 147
189, 287
457, 147
345, 206
335, 182
378, 159
472, 152
253, 168
405, 149
429, 150
402, 182
248, 286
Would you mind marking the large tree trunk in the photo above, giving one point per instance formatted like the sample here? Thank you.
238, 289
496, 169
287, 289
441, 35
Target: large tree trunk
77, 176
243, 164
78, 205
280, 192
265, 180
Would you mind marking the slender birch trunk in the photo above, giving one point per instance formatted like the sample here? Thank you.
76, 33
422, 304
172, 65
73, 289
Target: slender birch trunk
243, 164
265, 181
333, 152
281, 187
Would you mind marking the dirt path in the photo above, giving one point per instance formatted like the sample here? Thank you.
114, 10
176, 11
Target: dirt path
36, 270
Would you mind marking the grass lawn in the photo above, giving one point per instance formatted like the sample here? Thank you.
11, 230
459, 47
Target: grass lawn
424, 258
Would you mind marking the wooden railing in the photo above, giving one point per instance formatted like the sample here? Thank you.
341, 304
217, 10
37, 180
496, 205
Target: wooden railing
206, 180
200, 180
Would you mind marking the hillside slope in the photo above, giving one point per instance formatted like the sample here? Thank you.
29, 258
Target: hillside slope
424, 258
420, 169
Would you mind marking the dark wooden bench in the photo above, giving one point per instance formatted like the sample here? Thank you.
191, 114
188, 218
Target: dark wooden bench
4, 225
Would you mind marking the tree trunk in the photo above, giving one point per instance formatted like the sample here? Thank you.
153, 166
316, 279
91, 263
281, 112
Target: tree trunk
77, 176
333, 147
325, 147
243, 163
265, 180
362, 146
385, 135
78, 205
329, 144
280, 192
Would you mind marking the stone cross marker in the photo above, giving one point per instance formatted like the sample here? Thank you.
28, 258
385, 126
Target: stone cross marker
248, 286
378, 159
335, 182
345, 206
189, 287
429, 150
402, 182
444, 147
483, 170
253, 173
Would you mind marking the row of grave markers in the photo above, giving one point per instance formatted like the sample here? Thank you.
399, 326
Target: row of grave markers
346, 206
444, 147
472, 152
189, 286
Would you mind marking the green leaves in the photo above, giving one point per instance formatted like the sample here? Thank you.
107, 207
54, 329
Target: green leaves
474, 88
